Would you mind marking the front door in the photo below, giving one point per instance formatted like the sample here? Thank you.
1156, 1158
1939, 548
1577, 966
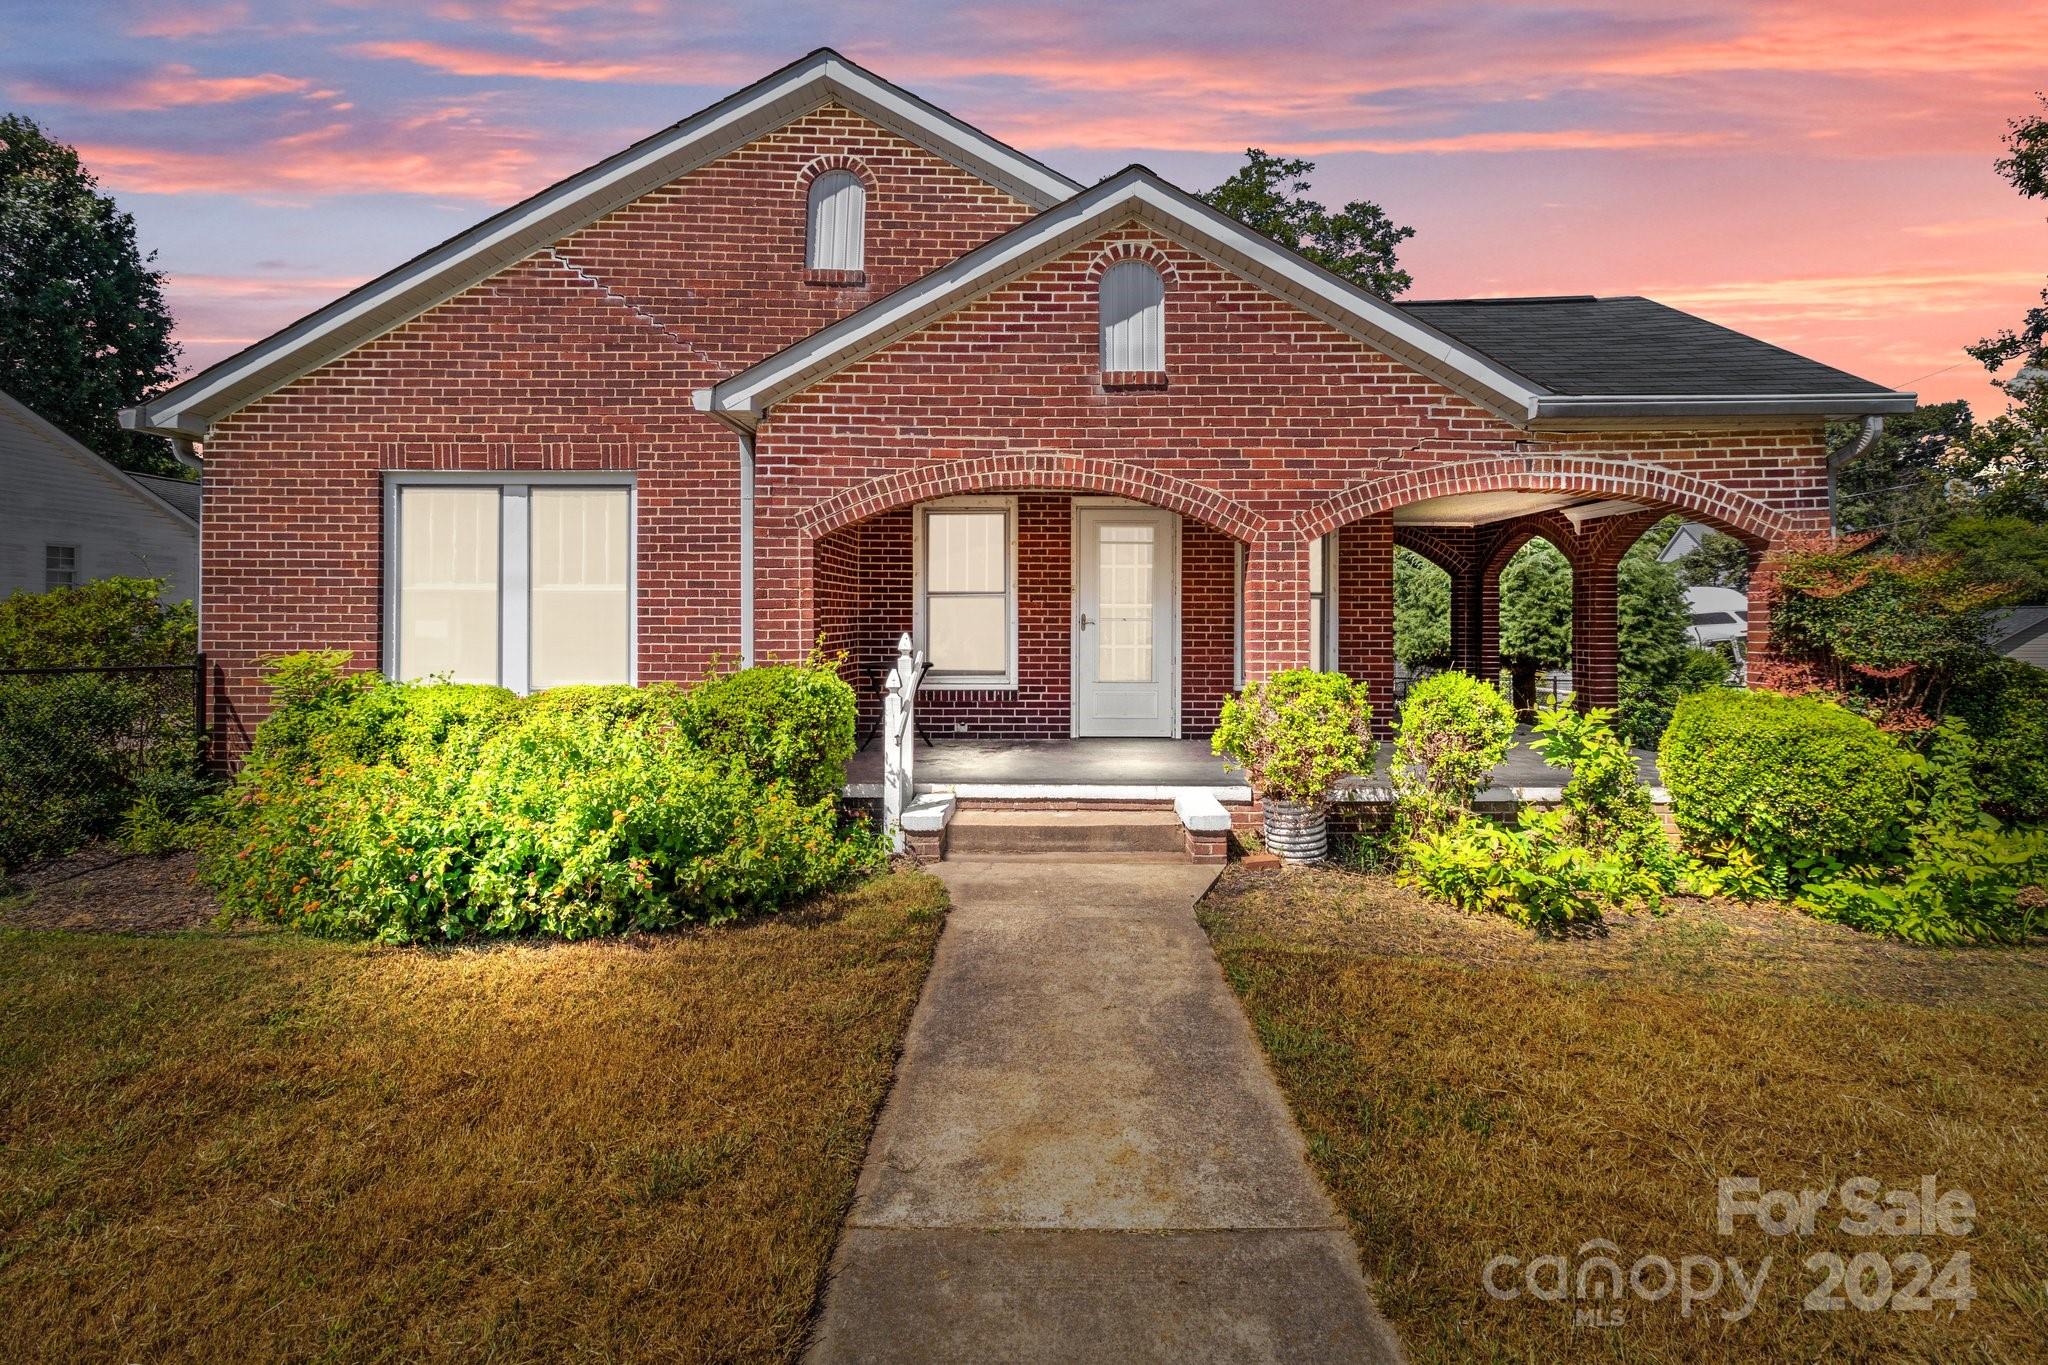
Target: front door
1125, 616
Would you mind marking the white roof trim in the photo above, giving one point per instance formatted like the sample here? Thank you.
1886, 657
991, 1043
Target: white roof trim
747, 395
392, 299
59, 439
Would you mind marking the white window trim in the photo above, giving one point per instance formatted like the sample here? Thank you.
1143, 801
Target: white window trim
1328, 662
515, 659
813, 246
73, 578
936, 681
1102, 322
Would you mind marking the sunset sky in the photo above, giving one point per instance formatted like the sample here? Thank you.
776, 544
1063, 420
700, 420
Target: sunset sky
1816, 172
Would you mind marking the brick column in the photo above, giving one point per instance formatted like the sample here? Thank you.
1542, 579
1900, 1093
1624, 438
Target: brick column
1595, 593
1365, 612
1470, 622
1275, 605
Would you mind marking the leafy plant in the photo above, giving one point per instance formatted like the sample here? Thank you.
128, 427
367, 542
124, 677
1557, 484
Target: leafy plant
109, 621
1296, 733
1732, 871
2005, 703
1607, 809
1535, 874
1789, 779
1454, 730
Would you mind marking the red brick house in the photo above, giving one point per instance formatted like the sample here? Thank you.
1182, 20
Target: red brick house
822, 362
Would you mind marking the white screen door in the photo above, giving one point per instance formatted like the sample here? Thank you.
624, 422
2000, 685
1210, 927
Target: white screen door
1124, 622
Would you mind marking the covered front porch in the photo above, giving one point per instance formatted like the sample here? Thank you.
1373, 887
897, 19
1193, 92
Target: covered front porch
1157, 770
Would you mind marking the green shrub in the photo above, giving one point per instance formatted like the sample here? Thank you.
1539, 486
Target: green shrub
412, 813
1297, 733
1454, 730
1790, 779
1534, 874
791, 723
108, 621
1606, 807
74, 746
2006, 704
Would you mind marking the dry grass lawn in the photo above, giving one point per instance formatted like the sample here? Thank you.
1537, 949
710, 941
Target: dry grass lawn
243, 1146
1467, 1090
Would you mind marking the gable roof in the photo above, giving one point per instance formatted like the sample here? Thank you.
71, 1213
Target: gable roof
823, 77
1438, 339
1608, 356
39, 430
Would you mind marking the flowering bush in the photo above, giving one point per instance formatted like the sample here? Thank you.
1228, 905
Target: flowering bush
1297, 733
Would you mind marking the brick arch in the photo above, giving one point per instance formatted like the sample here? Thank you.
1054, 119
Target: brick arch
1723, 508
994, 473
1514, 535
1134, 250
1435, 547
836, 161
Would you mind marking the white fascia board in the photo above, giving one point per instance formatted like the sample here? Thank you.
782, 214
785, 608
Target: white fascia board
500, 241
1136, 192
1566, 406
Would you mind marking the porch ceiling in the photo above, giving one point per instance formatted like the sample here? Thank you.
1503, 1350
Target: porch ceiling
1478, 509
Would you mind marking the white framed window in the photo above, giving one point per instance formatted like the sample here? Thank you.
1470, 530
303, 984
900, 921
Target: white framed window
1133, 305
60, 567
524, 580
838, 223
1322, 599
965, 555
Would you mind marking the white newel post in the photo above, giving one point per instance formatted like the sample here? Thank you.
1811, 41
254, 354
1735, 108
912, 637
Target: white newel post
899, 737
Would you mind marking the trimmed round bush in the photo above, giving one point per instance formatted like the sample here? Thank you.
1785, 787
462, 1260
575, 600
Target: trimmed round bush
1296, 733
1786, 778
1454, 730
789, 723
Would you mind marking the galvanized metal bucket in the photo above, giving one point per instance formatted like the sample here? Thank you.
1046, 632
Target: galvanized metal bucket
1297, 831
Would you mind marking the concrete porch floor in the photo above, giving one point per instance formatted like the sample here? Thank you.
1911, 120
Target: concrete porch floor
1156, 768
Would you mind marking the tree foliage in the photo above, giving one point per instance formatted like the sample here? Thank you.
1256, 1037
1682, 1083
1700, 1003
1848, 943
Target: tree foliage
1422, 612
2025, 165
1900, 485
1270, 195
83, 327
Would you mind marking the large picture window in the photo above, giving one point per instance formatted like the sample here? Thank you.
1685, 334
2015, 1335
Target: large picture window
527, 585
967, 591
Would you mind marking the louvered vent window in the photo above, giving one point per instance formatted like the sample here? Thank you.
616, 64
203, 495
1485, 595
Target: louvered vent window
839, 221
1133, 323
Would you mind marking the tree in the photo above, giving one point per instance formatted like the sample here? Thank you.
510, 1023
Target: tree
2025, 164
2009, 549
83, 327
1721, 561
1535, 616
1656, 662
1422, 612
1900, 485
1269, 194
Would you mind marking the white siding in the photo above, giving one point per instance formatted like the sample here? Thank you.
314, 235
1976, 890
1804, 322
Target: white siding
1133, 318
59, 493
839, 222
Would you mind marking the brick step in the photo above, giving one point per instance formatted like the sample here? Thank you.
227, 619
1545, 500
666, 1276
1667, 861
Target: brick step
980, 833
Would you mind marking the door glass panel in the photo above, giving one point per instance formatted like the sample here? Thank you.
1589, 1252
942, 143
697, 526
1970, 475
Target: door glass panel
579, 622
448, 584
1124, 653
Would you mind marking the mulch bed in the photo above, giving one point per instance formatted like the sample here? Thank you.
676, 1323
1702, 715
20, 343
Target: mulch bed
103, 889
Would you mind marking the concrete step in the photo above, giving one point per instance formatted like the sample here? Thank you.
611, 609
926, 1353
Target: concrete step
981, 833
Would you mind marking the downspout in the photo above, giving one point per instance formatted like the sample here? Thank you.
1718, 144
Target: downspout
746, 549
1837, 461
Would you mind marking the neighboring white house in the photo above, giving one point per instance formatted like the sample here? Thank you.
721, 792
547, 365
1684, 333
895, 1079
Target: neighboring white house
69, 516
2022, 633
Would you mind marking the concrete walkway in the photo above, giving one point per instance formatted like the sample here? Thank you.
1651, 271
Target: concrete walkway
1084, 1157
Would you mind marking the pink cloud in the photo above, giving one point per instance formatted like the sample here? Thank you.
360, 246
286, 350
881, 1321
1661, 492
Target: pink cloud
167, 87
479, 61
171, 20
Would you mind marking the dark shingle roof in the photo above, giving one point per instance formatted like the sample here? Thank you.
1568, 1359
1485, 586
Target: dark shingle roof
182, 494
1628, 347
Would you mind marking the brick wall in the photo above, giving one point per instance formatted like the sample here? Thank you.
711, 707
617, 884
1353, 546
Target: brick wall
1273, 426
582, 356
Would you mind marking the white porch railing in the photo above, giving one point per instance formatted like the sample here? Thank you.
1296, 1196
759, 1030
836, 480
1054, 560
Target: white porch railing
899, 738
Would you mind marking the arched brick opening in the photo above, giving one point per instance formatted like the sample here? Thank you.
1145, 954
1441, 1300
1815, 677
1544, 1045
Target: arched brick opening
858, 575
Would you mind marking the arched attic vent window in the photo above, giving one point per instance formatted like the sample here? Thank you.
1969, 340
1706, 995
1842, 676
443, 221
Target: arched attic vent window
838, 224
1133, 302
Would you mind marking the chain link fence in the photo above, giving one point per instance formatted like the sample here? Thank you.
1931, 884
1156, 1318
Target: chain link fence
79, 745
